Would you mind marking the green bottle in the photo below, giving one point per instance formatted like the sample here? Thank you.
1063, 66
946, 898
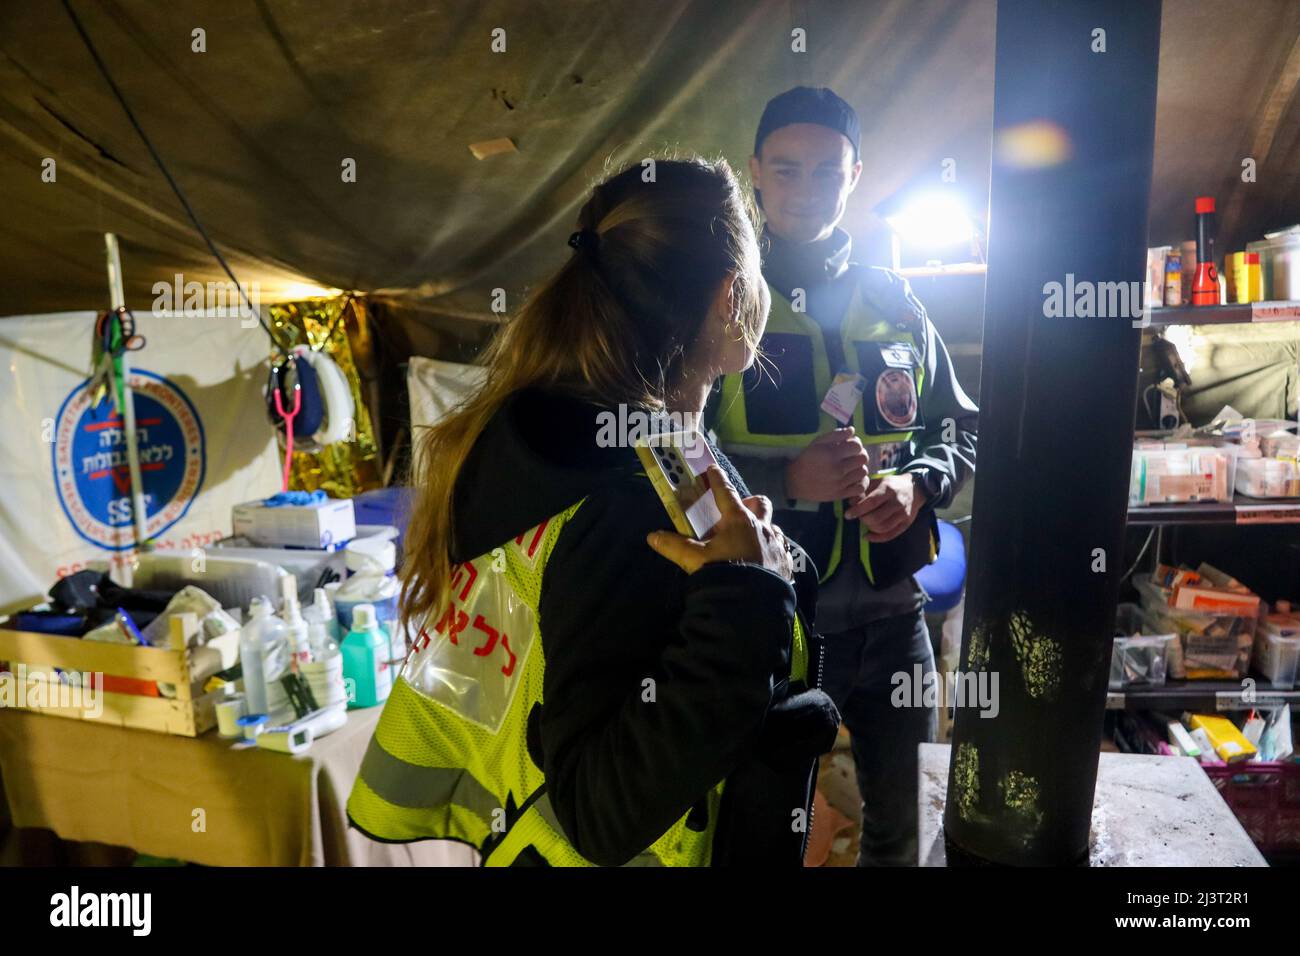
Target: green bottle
365, 660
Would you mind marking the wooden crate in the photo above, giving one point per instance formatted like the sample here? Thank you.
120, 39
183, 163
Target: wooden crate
188, 714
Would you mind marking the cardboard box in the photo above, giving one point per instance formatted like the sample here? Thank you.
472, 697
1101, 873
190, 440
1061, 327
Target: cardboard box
1199, 597
1226, 740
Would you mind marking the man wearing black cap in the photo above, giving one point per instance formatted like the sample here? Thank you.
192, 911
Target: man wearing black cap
857, 430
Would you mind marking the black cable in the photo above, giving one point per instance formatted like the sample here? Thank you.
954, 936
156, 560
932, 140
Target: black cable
1141, 554
189, 210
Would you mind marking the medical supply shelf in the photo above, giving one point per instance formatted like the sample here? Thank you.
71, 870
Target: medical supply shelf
1202, 696
1282, 311
1210, 695
1241, 510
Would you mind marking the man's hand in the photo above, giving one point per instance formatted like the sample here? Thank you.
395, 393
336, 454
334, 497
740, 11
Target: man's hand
833, 466
888, 508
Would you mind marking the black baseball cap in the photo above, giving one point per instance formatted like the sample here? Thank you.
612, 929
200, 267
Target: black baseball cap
807, 104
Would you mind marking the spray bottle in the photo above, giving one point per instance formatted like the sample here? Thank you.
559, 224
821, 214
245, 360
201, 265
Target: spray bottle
295, 623
321, 611
322, 627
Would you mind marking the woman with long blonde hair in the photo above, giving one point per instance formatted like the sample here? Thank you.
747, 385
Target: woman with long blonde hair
587, 686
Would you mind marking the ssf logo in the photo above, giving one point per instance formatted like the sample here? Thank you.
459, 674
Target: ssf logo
91, 473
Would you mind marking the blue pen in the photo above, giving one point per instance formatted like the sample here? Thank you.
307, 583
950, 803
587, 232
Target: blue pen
128, 626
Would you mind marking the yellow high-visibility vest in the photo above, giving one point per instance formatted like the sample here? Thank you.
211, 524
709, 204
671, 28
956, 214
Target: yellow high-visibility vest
778, 417
449, 759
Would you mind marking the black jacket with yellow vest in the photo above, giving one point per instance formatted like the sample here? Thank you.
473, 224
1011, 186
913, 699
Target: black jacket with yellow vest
912, 415
672, 721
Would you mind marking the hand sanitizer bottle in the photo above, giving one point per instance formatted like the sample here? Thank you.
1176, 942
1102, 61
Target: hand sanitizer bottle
365, 660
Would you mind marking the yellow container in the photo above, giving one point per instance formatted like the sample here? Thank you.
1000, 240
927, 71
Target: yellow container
1245, 278
1228, 742
1254, 278
1234, 271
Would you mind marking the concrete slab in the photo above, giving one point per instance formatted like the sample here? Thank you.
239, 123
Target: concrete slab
1148, 811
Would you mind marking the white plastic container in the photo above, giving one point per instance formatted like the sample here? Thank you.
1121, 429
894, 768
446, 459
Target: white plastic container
1276, 657
325, 678
1180, 475
373, 581
1268, 478
234, 582
1279, 263
305, 564
264, 658
229, 710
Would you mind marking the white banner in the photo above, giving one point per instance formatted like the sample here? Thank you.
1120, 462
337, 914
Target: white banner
436, 387
204, 440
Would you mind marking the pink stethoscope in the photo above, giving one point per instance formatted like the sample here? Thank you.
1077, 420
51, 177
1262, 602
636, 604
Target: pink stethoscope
288, 418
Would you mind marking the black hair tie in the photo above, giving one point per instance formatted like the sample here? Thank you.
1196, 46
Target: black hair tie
587, 239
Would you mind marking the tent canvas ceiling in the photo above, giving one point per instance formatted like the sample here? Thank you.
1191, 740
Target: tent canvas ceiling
257, 127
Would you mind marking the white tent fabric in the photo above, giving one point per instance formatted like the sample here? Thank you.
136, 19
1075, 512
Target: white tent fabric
437, 387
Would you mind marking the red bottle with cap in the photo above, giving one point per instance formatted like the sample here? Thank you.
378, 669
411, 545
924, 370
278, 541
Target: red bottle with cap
1205, 286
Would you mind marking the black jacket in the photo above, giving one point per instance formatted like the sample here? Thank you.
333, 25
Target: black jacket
619, 770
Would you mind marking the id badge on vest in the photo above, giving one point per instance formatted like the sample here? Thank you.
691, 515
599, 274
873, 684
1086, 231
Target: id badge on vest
843, 396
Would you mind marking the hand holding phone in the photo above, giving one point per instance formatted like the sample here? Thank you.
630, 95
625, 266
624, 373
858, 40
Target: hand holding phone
677, 464
743, 532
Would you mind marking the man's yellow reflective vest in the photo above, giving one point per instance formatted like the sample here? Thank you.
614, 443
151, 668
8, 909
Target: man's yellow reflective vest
774, 410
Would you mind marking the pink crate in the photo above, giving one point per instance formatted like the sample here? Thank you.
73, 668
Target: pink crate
1266, 799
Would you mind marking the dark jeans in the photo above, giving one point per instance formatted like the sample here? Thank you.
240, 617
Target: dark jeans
860, 665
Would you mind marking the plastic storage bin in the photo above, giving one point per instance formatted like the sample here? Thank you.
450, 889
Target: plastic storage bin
1268, 478
234, 582
1138, 659
308, 565
1179, 475
1211, 645
1279, 262
1276, 657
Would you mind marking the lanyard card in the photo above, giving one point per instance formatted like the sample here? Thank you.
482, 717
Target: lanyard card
843, 396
